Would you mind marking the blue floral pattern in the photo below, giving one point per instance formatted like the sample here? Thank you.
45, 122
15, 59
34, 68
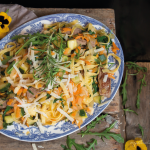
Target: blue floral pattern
62, 128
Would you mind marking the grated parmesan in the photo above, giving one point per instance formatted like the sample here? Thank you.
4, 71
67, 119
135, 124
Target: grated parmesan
65, 114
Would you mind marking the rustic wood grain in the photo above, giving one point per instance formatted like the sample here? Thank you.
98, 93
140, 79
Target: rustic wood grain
143, 118
107, 17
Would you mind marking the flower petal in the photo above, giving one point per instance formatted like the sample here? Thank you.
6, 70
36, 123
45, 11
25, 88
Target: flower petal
4, 29
6, 17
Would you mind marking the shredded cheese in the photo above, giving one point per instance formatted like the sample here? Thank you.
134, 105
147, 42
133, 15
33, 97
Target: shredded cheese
65, 114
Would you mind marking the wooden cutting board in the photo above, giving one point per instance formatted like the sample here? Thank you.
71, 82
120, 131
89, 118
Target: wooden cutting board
107, 17
143, 118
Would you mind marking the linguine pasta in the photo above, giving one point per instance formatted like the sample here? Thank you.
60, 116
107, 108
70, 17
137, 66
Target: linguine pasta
53, 75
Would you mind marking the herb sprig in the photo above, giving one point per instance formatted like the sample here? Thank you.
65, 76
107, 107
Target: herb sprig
142, 130
129, 110
107, 134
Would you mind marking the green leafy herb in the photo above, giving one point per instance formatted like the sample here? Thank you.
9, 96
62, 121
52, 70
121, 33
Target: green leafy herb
108, 45
136, 67
29, 61
22, 112
77, 54
91, 144
5, 61
71, 142
7, 109
103, 39
107, 134
5, 88
95, 87
93, 123
6, 124
90, 32
124, 91
129, 110
29, 90
97, 61
10, 67
143, 83
142, 130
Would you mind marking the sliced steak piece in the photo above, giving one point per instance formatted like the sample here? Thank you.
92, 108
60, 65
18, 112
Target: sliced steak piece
76, 31
3, 104
104, 87
81, 42
34, 91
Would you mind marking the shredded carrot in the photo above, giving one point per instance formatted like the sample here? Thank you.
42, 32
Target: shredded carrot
36, 96
83, 37
12, 88
72, 55
97, 56
17, 75
49, 92
73, 114
87, 62
110, 75
10, 101
94, 70
18, 112
59, 90
24, 91
1, 122
66, 29
39, 85
66, 51
27, 125
22, 118
10, 111
52, 53
20, 91
114, 47
101, 52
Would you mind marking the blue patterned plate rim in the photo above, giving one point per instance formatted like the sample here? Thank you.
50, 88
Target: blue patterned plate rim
90, 118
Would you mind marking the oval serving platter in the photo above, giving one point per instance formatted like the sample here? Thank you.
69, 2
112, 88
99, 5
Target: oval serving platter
62, 128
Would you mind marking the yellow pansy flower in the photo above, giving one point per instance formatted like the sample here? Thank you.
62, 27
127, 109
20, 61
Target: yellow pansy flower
5, 20
136, 144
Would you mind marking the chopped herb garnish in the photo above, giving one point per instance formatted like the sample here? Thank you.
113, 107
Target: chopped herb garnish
129, 110
142, 130
29, 90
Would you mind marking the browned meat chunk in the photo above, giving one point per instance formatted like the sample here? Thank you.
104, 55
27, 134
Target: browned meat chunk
77, 30
34, 91
104, 87
3, 104
81, 42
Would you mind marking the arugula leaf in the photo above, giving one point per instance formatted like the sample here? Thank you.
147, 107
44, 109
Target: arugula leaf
90, 32
82, 112
71, 142
142, 130
10, 67
97, 61
91, 145
129, 110
103, 39
94, 86
143, 83
4, 62
134, 66
29, 61
93, 123
124, 91
107, 134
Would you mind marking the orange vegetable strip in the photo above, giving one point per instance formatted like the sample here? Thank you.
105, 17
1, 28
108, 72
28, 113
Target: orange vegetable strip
111, 76
39, 85
114, 47
24, 91
72, 55
66, 51
66, 29
10, 101
20, 91
10, 111
18, 112
87, 62
52, 53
